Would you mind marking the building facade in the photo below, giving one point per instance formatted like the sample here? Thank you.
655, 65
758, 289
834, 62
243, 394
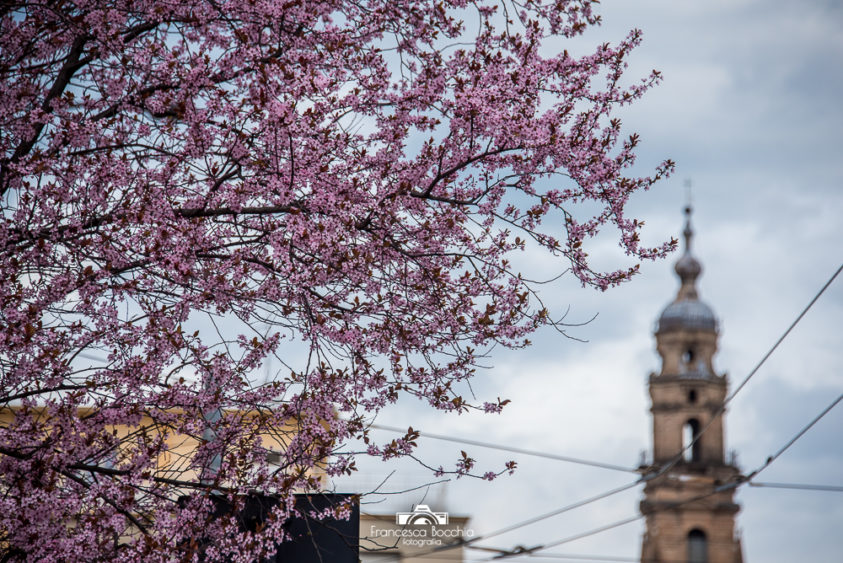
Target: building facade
689, 503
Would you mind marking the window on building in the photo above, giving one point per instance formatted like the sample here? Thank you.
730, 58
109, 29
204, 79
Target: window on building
692, 396
689, 432
697, 546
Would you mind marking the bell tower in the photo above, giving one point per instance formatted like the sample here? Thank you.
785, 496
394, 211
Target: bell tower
688, 516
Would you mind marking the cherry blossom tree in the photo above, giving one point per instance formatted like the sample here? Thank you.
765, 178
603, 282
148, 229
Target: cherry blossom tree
195, 190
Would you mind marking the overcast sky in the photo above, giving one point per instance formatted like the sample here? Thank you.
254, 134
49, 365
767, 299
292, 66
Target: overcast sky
751, 109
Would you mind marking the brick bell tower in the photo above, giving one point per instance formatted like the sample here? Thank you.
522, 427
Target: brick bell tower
688, 518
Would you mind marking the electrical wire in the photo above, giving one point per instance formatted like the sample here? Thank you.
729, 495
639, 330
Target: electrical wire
558, 511
798, 435
565, 556
533, 520
534, 550
584, 557
799, 486
511, 449
782, 337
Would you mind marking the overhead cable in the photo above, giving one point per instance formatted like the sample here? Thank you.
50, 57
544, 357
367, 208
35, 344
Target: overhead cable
798, 435
606, 527
512, 449
799, 486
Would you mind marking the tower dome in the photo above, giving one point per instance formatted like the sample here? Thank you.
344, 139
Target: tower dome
687, 315
687, 312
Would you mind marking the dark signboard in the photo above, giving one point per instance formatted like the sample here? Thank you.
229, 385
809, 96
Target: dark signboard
313, 540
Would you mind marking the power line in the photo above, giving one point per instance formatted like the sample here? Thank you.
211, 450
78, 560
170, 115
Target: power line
587, 557
577, 557
799, 486
782, 337
567, 508
500, 531
512, 449
594, 531
790, 442
534, 550
529, 521
604, 558
584, 557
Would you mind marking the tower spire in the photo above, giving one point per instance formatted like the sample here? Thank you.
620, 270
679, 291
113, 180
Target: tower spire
688, 232
687, 267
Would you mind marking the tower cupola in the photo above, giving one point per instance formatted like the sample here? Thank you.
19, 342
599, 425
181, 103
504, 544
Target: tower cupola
686, 331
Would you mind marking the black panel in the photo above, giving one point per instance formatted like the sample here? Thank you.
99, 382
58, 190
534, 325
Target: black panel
313, 541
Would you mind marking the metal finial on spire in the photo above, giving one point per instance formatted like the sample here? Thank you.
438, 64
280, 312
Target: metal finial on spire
688, 232
687, 267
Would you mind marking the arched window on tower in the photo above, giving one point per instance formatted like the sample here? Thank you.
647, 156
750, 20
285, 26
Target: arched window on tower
697, 546
689, 432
